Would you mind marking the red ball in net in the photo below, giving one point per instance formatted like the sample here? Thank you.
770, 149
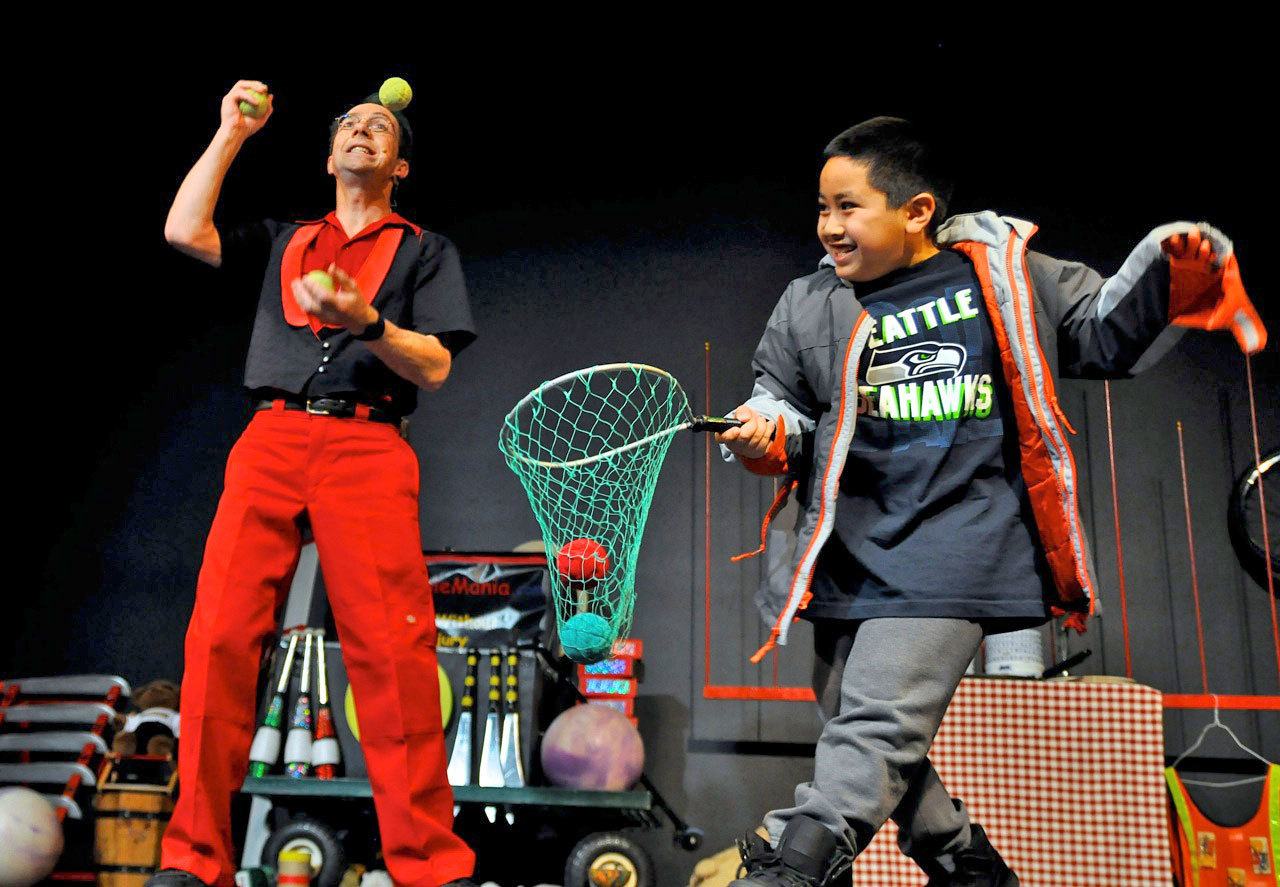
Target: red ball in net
582, 560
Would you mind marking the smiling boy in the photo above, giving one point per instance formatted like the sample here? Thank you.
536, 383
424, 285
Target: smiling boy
951, 512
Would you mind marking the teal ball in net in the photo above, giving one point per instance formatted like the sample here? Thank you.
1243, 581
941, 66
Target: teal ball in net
586, 638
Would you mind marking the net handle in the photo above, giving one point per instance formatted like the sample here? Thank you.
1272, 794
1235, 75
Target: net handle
587, 460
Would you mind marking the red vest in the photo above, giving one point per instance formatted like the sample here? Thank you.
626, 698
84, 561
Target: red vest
368, 263
1210, 855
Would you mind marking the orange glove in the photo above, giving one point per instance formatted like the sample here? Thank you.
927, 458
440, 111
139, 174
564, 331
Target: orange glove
1208, 294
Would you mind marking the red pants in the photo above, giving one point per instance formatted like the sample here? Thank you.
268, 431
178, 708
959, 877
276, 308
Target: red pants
358, 483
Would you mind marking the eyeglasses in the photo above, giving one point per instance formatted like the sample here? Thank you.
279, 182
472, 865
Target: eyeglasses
348, 122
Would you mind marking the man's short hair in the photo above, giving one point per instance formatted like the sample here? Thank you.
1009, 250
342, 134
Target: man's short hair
902, 161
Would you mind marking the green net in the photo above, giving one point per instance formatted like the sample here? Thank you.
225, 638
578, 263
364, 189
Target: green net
587, 448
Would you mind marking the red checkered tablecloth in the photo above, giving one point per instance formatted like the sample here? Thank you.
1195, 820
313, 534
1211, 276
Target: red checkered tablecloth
1066, 777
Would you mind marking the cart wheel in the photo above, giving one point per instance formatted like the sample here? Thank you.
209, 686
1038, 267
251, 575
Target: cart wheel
690, 838
327, 857
608, 859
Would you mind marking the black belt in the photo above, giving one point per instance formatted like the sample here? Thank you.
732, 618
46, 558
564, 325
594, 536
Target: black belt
331, 406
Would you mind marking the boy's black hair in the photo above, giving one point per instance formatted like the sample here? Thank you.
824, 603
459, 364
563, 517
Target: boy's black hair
902, 161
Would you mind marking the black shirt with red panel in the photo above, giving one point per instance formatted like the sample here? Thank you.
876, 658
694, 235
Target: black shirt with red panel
413, 277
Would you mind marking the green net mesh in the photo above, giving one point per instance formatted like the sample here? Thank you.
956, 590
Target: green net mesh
587, 448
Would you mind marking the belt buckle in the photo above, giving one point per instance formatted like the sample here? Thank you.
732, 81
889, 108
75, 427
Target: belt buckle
316, 411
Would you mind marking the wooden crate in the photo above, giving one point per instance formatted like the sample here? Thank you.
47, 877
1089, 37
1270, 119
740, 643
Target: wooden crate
130, 819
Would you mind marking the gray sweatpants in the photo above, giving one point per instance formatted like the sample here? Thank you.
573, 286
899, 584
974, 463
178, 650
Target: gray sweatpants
883, 686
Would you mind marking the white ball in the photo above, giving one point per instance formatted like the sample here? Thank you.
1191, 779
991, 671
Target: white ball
30, 837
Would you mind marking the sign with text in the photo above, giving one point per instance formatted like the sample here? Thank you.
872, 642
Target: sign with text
487, 600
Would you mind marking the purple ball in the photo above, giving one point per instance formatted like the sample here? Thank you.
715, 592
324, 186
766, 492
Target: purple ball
593, 747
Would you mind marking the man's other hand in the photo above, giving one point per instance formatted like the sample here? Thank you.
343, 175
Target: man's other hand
344, 305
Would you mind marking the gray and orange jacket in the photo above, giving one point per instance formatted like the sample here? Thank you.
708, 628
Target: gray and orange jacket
1050, 317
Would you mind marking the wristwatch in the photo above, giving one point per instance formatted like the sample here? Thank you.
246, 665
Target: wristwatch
372, 331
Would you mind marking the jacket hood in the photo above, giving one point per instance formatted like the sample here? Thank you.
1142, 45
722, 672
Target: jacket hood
985, 227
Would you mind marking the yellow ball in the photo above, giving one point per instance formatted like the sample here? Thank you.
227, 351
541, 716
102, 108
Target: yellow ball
446, 703
446, 697
395, 93
256, 108
349, 706
321, 279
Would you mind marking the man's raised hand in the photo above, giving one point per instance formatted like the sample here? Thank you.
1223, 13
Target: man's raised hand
236, 121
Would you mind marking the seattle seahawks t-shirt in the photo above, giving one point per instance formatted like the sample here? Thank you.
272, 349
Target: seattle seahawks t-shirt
932, 518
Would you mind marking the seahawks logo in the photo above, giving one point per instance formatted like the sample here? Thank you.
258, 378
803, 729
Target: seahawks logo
912, 363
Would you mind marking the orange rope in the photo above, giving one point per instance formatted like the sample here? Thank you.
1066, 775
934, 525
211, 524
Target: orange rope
1191, 547
1115, 511
1262, 505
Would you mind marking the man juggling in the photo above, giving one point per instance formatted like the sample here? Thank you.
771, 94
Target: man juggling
357, 311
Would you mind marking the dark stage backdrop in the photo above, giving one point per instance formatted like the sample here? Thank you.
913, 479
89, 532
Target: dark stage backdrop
606, 213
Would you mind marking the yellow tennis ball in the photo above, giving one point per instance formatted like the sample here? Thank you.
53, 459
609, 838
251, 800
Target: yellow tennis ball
321, 279
446, 696
256, 108
349, 706
446, 703
395, 93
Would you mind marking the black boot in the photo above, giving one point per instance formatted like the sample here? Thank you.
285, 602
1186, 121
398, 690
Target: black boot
978, 865
808, 855
174, 878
